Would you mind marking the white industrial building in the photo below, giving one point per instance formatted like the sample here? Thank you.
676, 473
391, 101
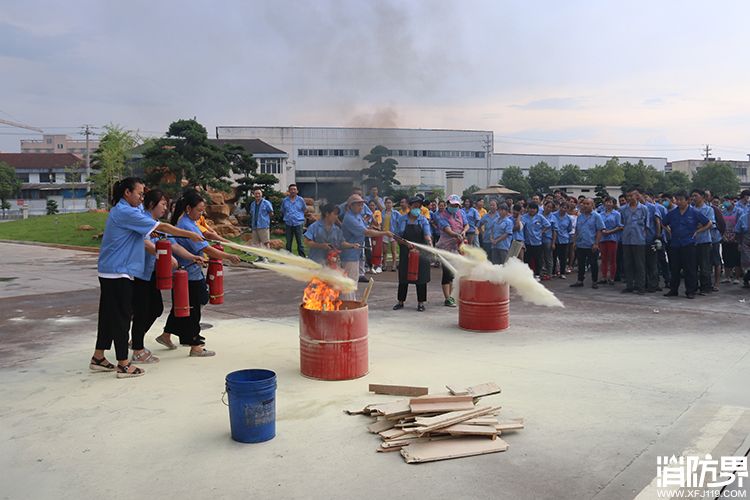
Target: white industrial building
326, 161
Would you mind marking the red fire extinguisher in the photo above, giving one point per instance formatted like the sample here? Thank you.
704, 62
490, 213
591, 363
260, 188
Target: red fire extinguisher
412, 270
163, 265
216, 279
180, 294
377, 251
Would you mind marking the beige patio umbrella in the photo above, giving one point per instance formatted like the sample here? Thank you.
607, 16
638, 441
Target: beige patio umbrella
495, 189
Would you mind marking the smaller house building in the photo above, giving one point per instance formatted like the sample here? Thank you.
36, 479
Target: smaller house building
60, 177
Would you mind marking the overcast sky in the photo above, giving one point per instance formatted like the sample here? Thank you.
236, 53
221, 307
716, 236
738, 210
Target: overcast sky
658, 78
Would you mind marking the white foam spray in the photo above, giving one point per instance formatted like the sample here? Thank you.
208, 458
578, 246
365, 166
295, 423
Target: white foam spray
473, 265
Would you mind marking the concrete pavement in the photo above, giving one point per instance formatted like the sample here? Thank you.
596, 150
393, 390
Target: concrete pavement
605, 386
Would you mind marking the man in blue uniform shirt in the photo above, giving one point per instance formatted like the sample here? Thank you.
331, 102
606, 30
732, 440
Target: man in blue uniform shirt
587, 237
293, 211
684, 223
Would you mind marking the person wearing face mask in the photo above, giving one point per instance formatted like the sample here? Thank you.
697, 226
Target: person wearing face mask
413, 227
453, 227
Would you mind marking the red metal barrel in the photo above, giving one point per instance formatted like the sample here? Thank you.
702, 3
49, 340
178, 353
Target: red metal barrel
333, 344
483, 306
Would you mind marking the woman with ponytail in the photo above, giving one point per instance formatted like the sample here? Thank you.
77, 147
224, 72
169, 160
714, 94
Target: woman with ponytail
121, 258
147, 301
188, 210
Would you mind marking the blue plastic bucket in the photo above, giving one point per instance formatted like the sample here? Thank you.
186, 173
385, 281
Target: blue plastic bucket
252, 405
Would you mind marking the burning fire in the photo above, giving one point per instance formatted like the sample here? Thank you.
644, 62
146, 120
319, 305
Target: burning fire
319, 296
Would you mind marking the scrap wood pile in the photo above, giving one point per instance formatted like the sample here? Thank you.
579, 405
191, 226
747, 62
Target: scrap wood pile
426, 427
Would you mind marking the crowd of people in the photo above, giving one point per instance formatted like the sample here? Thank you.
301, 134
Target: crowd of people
642, 239
648, 241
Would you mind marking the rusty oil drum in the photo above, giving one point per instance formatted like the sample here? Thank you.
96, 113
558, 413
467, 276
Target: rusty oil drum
333, 344
483, 306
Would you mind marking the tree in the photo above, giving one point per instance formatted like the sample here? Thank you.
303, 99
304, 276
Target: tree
108, 162
186, 155
639, 175
671, 182
609, 174
9, 185
382, 171
470, 190
514, 179
52, 208
542, 176
243, 164
571, 175
719, 178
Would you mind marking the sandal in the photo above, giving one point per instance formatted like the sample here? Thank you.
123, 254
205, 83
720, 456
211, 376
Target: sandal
168, 344
144, 358
205, 353
101, 365
124, 371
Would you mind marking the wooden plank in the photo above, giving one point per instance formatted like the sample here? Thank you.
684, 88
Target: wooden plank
398, 390
451, 448
486, 420
434, 423
457, 390
392, 433
441, 404
510, 426
470, 430
400, 443
391, 408
380, 426
486, 389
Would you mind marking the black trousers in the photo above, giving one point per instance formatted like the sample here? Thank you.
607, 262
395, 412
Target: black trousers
447, 276
652, 268
189, 328
561, 256
587, 258
421, 291
683, 260
634, 259
661, 257
115, 310
147, 307
295, 232
620, 263
703, 258
533, 258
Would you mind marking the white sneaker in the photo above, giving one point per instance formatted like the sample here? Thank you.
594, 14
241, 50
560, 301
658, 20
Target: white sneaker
726, 280
378, 270
736, 282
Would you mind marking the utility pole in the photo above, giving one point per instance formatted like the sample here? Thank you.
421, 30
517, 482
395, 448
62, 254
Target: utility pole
706, 152
87, 131
487, 142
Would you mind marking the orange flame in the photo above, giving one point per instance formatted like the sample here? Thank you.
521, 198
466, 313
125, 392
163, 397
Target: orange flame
319, 296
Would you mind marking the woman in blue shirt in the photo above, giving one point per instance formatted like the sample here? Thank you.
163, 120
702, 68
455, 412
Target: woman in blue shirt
471, 215
189, 209
121, 258
413, 227
147, 302
610, 240
324, 236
